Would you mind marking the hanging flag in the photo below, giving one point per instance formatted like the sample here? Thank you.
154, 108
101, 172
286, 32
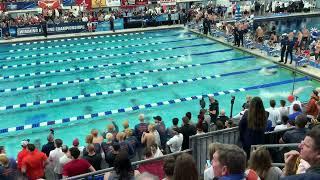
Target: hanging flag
98, 3
113, 3
49, 4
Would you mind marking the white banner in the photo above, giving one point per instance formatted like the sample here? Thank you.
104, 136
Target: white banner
168, 2
113, 3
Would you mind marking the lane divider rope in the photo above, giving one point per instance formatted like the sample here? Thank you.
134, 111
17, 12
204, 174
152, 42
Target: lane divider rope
104, 77
145, 106
86, 50
77, 97
97, 66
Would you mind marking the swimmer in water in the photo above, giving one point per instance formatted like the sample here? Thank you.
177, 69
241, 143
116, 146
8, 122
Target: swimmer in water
268, 72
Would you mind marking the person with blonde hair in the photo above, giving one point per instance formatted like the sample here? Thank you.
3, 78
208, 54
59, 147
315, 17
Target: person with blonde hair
133, 141
260, 161
8, 168
95, 136
124, 145
149, 138
89, 140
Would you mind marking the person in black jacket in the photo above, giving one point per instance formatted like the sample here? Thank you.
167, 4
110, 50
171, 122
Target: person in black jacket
284, 42
187, 130
290, 46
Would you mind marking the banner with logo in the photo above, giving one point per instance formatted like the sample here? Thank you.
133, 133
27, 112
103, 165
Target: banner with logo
113, 3
141, 2
21, 5
128, 3
168, 2
98, 3
36, 30
105, 26
85, 3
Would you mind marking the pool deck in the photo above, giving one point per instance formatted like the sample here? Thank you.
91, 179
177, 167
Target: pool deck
60, 36
309, 70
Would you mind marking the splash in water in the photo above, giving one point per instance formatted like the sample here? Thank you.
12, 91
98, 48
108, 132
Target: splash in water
182, 34
185, 59
282, 94
268, 72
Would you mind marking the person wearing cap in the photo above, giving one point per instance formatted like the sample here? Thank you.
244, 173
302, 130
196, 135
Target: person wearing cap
49, 146
311, 108
187, 130
293, 101
161, 128
175, 143
298, 134
54, 157
75, 144
23, 153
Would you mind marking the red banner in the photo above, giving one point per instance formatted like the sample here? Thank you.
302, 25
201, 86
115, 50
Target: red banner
2, 7
85, 3
141, 2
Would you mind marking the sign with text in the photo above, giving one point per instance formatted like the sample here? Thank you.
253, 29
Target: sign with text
113, 3
98, 3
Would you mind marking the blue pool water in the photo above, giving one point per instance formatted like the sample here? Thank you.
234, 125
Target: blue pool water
74, 85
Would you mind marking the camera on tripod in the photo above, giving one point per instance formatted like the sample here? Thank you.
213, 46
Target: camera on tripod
233, 98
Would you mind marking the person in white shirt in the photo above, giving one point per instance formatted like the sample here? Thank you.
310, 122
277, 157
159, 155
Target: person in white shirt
65, 158
175, 142
284, 111
284, 124
274, 113
293, 101
54, 157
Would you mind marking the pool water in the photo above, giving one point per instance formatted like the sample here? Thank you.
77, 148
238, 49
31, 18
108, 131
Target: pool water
74, 85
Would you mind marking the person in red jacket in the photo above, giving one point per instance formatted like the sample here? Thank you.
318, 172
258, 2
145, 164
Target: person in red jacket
153, 167
23, 153
34, 163
311, 108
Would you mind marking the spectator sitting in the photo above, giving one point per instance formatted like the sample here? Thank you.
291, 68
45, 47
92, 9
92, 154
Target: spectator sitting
260, 162
223, 118
310, 152
298, 134
283, 109
34, 163
274, 113
208, 172
76, 166
187, 130
284, 124
93, 158
65, 158
8, 168
311, 108
229, 162
49, 146
185, 168
23, 153
153, 167
122, 168
175, 142
96, 138
54, 157
168, 167
296, 112
292, 100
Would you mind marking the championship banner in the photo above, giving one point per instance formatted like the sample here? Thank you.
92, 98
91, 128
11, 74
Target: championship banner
98, 3
113, 3
84, 3
141, 2
168, 2
46, 4
128, 3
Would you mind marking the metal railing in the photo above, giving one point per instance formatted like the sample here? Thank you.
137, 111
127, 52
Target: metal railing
98, 174
277, 151
199, 144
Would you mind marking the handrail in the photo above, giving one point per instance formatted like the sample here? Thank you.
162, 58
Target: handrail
276, 145
102, 171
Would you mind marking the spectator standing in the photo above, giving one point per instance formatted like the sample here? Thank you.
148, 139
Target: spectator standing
75, 144
23, 153
311, 108
283, 109
187, 130
213, 109
93, 158
298, 134
296, 112
34, 163
110, 157
253, 124
76, 166
132, 141
111, 20
55, 156
124, 145
274, 113
95, 137
175, 122
49, 146
107, 146
139, 129
161, 128
185, 168
175, 143
293, 101
148, 138
223, 118
65, 158
8, 168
